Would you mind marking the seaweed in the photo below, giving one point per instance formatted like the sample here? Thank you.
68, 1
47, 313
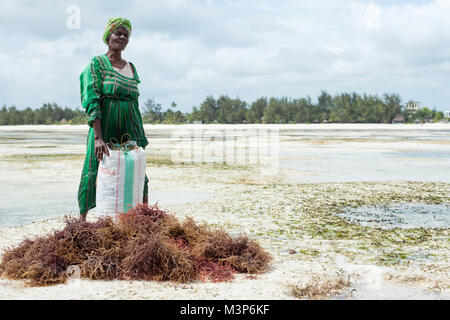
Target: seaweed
242, 254
208, 269
146, 244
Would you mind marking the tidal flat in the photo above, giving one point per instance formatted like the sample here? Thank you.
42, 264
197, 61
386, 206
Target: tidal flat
296, 212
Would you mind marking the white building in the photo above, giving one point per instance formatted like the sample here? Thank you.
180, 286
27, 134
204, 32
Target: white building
413, 105
447, 113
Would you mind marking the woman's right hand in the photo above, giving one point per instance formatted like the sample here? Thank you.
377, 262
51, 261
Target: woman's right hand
100, 148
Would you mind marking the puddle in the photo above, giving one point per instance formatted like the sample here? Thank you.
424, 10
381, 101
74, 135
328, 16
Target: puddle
400, 215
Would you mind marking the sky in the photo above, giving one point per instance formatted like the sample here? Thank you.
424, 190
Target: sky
185, 50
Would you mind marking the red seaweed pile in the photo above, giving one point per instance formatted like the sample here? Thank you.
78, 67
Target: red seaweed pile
146, 243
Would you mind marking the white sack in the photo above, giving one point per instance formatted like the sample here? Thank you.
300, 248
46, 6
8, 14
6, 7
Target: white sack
120, 181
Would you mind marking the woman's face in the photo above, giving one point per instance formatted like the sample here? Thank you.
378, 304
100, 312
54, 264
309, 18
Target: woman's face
118, 39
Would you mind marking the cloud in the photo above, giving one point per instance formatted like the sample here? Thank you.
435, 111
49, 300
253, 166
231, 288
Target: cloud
186, 50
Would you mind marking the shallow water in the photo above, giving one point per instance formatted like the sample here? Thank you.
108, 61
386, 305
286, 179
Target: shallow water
28, 195
400, 215
347, 162
38, 194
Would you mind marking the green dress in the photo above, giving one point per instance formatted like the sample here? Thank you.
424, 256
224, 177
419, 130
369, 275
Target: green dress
113, 98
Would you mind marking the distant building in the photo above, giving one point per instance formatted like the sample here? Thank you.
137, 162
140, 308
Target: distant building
447, 113
413, 106
399, 119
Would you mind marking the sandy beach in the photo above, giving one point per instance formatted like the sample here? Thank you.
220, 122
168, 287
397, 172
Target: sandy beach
292, 213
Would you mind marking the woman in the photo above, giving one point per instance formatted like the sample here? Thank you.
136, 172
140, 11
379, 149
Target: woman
109, 94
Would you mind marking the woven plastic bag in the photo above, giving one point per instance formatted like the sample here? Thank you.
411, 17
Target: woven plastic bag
120, 181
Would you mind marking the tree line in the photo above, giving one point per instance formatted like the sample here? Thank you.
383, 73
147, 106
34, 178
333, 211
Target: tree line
340, 108
49, 113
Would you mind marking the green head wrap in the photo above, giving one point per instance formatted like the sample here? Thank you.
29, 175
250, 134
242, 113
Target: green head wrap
113, 24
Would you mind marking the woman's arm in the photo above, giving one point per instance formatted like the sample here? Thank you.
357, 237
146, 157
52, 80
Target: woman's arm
100, 145
91, 88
